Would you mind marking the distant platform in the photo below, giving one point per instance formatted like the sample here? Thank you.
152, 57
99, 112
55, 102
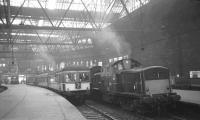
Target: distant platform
189, 96
22, 102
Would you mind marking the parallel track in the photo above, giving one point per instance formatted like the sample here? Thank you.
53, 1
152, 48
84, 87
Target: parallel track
93, 113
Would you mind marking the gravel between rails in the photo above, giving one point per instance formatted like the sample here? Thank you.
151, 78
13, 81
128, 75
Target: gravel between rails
116, 111
91, 113
120, 114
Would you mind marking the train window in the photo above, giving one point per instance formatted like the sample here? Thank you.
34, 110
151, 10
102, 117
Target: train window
194, 74
156, 74
67, 79
163, 74
75, 77
151, 74
81, 76
84, 76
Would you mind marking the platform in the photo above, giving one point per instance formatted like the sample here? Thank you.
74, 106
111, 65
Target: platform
189, 96
23, 102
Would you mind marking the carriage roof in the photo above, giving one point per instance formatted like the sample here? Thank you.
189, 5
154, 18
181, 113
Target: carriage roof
74, 69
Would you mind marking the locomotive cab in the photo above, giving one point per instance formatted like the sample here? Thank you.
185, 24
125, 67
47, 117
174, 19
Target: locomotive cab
156, 80
123, 80
132, 82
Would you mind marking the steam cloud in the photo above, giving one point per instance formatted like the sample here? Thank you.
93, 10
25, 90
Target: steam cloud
44, 54
115, 42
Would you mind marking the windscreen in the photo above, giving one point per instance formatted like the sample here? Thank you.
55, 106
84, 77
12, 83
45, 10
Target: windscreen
156, 74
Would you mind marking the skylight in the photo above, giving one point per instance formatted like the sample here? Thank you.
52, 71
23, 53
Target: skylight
92, 5
51, 4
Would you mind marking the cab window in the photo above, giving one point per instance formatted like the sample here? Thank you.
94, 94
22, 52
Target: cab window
83, 76
163, 74
156, 74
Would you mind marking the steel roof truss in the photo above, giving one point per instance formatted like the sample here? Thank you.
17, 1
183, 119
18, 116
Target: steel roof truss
60, 21
93, 21
108, 11
45, 13
18, 11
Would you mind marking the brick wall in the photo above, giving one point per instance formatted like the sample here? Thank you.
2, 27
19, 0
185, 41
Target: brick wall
164, 32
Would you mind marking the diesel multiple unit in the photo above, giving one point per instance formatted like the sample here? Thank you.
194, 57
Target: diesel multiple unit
72, 82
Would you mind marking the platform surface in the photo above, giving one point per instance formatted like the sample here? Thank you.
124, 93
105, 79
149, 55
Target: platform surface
23, 102
189, 95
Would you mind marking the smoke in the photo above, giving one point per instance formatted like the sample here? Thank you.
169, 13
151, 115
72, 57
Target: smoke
45, 55
108, 39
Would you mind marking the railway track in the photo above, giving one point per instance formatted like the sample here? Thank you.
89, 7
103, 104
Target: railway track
96, 111
93, 113
185, 111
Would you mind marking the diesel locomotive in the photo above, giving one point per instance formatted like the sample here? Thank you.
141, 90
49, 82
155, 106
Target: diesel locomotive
132, 86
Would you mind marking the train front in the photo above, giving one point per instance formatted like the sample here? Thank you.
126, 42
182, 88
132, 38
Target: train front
75, 84
148, 86
157, 85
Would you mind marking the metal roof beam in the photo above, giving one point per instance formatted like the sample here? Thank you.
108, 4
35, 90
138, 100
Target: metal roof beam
37, 13
18, 11
36, 43
27, 27
24, 38
60, 21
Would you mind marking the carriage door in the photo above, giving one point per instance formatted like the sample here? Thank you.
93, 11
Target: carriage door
77, 80
63, 86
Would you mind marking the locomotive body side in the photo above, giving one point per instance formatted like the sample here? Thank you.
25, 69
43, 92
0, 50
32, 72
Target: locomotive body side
42, 80
31, 80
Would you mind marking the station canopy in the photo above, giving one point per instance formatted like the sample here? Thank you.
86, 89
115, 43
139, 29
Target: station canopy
57, 26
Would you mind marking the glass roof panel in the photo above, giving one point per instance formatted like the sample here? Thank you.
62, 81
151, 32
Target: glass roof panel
104, 8
92, 5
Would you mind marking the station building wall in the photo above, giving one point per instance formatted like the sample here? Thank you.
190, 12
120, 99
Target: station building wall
164, 32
